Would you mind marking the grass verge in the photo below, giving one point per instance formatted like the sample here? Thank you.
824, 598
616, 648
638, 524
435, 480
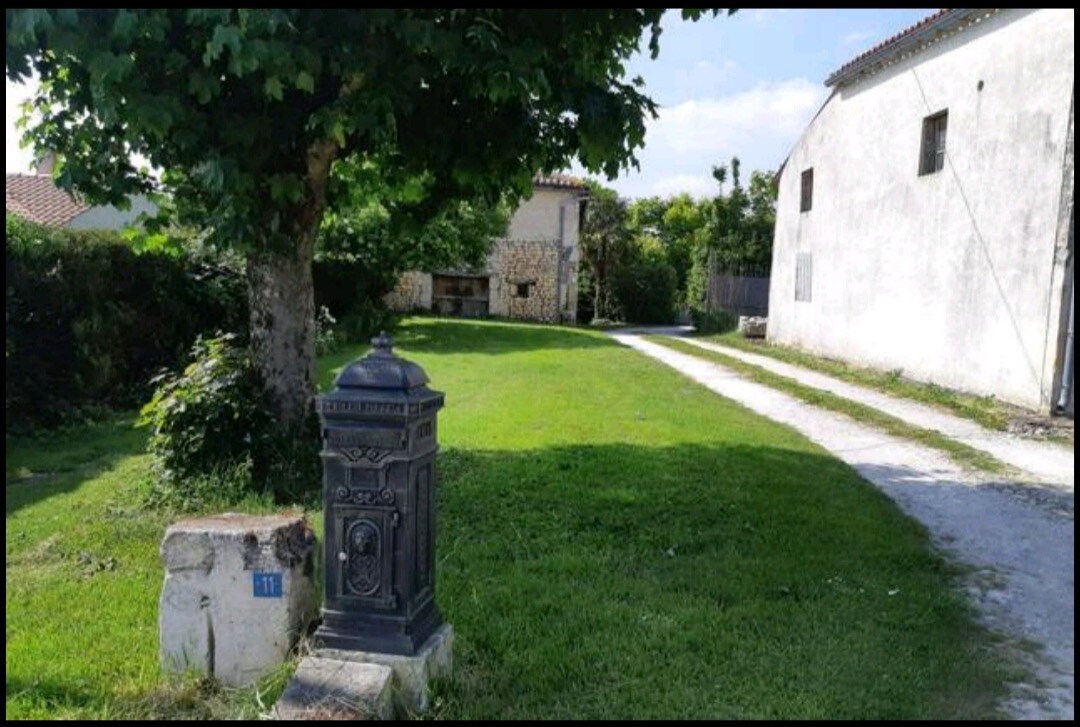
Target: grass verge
984, 410
960, 453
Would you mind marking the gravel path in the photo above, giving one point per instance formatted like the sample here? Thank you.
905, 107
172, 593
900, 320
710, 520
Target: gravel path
1018, 537
1048, 462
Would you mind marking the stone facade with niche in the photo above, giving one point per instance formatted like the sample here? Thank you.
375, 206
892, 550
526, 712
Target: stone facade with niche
531, 275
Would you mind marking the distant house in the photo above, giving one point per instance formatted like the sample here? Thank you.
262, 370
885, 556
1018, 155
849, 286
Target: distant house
925, 217
530, 275
36, 197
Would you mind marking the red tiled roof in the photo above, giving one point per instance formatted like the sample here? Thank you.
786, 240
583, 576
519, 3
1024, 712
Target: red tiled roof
559, 181
37, 198
14, 206
933, 27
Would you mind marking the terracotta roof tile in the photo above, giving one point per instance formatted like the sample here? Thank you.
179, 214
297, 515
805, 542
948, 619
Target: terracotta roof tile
14, 206
37, 198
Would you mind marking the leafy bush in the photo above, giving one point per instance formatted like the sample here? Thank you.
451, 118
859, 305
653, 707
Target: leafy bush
89, 318
209, 417
719, 321
327, 339
646, 290
211, 427
351, 293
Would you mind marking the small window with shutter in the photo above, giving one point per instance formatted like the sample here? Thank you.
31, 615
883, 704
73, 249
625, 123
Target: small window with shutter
933, 143
804, 273
807, 199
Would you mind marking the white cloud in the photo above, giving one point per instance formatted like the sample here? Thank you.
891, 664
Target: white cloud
859, 36
703, 78
695, 185
760, 15
728, 124
759, 125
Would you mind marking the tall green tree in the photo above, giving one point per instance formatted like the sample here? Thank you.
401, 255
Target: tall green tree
246, 110
743, 221
373, 230
605, 244
681, 224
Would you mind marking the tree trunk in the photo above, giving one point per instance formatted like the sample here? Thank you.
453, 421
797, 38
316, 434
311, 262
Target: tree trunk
281, 295
282, 302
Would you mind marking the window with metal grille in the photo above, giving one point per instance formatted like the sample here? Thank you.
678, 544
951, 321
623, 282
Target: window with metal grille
933, 143
804, 273
807, 198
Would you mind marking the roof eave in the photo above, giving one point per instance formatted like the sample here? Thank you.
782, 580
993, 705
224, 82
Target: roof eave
948, 22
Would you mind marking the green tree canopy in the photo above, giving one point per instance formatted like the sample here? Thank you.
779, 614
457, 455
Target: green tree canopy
245, 110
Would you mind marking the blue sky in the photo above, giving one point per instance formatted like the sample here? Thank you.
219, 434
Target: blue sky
744, 85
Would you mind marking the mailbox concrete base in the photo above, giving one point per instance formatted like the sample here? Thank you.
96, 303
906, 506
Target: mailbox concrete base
333, 689
412, 674
238, 591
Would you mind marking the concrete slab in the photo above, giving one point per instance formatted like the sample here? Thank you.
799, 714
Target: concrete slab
412, 674
324, 688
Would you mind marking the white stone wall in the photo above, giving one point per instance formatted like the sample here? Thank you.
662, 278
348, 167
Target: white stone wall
956, 276
537, 218
108, 217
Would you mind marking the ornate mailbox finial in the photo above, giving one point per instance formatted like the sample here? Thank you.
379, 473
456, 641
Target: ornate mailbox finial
382, 344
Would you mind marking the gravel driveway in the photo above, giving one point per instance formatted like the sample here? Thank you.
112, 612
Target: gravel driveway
1017, 537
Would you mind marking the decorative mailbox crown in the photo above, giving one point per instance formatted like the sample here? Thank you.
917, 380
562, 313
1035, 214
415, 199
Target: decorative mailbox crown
379, 442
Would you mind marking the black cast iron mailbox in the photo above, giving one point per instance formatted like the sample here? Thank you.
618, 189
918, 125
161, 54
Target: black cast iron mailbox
379, 442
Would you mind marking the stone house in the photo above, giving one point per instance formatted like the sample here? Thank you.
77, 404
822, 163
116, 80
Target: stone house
924, 218
35, 197
529, 275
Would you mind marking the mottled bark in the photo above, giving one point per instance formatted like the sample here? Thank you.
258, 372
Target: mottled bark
282, 302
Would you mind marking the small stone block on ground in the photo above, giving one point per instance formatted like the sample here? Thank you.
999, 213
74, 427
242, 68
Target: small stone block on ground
238, 592
752, 326
333, 689
412, 674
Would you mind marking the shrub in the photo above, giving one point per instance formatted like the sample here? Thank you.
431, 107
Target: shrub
211, 430
327, 339
646, 291
208, 418
719, 321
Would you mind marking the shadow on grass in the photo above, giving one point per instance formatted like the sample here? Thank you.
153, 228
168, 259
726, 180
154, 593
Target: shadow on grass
620, 581
49, 695
625, 581
448, 335
60, 461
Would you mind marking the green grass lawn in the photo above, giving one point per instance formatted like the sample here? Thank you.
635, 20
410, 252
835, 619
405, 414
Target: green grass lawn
614, 542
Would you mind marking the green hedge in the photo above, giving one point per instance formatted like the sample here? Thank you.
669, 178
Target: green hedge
646, 289
89, 320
